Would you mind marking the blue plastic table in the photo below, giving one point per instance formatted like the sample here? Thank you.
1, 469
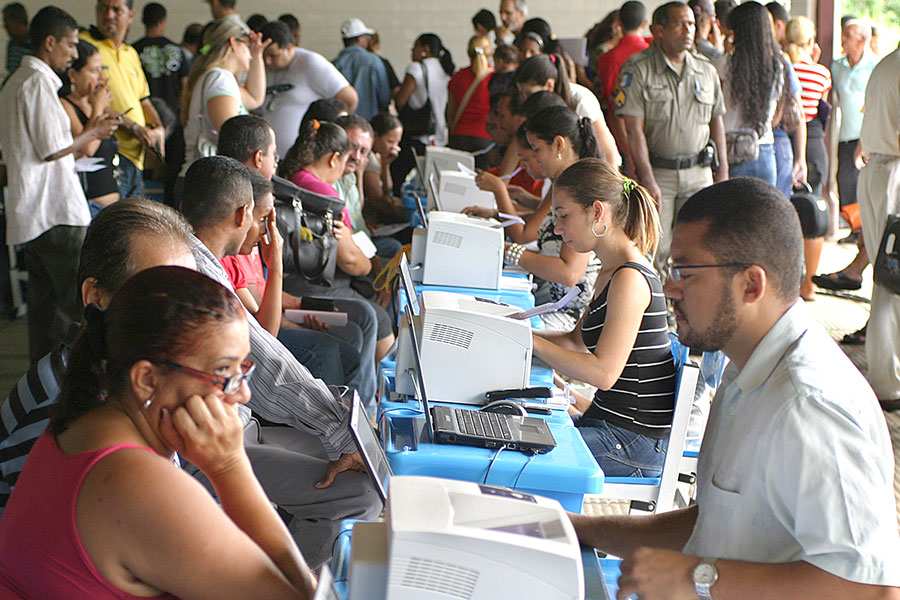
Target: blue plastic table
566, 473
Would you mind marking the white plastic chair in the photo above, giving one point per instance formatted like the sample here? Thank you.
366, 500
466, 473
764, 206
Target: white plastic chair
657, 494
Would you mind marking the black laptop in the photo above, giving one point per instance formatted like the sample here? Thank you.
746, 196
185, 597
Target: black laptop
459, 426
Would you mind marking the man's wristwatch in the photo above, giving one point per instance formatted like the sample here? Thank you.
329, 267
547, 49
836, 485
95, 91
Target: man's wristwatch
704, 576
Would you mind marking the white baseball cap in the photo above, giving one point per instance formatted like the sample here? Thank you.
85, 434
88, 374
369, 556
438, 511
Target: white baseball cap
354, 27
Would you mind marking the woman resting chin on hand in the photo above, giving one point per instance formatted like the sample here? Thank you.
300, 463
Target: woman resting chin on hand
100, 511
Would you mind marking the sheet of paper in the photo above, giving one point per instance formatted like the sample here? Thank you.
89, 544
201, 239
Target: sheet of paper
391, 229
548, 307
88, 164
335, 319
511, 175
365, 244
464, 169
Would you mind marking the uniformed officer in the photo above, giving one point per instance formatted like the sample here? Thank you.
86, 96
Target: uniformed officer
671, 101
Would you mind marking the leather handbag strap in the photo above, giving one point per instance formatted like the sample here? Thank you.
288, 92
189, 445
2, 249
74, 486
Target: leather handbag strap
465, 101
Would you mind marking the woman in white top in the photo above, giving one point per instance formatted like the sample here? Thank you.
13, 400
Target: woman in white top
548, 72
212, 94
431, 60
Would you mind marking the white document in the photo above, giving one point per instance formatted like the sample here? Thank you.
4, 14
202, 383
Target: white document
335, 319
365, 244
548, 307
507, 220
88, 164
511, 175
464, 169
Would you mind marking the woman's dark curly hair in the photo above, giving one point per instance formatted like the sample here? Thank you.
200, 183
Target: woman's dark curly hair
755, 66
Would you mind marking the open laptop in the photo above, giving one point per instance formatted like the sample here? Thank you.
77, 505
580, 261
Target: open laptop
448, 425
369, 446
461, 427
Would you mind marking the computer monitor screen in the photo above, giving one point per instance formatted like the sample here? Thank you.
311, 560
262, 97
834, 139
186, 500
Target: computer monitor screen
369, 447
419, 377
406, 282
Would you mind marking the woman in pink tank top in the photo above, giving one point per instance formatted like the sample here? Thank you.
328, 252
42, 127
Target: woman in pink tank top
100, 511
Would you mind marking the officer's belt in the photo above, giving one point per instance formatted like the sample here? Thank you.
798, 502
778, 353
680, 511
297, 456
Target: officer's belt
674, 163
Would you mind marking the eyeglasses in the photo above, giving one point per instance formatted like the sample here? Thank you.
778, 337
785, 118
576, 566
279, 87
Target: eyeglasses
675, 271
229, 385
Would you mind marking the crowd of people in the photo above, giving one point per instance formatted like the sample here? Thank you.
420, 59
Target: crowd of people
664, 168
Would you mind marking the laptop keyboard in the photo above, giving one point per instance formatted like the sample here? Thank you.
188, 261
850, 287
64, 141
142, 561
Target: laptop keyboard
483, 424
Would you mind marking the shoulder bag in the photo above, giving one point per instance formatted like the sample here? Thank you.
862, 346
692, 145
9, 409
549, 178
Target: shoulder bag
419, 122
305, 220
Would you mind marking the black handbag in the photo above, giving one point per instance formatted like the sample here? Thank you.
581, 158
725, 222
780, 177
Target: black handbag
419, 121
887, 263
306, 220
812, 210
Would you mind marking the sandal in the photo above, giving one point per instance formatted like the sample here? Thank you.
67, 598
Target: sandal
856, 338
836, 282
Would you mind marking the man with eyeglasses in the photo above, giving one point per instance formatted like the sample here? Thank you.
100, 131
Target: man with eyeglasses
141, 126
297, 77
795, 478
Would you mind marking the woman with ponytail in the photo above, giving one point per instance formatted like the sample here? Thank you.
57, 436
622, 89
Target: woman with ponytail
548, 72
425, 85
555, 138
620, 345
212, 94
469, 101
99, 510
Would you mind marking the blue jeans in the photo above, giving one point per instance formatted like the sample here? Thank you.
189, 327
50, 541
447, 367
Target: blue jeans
362, 314
622, 453
131, 180
761, 168
328, 358
784, 162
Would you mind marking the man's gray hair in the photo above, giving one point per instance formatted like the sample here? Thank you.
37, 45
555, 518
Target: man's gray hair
865, 28
522, 5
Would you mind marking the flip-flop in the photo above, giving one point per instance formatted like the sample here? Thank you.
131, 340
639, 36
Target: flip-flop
856, 338
836, 282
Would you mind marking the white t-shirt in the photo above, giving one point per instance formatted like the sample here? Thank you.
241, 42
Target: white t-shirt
586, 103
313, 78
215, 82
437, 90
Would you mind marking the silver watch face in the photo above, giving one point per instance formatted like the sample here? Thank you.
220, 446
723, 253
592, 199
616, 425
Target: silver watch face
705, 574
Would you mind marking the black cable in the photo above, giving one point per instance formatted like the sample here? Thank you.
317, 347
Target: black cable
522, 470
496, 454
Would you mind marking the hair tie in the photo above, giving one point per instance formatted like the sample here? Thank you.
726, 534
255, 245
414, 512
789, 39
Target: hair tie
442, 52
204, 50
95, 329
628, 186
553, 58
479, 50
315, 124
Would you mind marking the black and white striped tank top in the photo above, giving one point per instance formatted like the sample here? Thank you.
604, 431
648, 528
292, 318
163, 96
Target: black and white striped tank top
643, 398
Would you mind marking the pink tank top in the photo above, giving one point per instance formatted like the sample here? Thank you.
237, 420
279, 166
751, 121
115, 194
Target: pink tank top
41, 555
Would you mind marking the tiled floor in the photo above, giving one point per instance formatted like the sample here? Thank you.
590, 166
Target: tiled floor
839, 315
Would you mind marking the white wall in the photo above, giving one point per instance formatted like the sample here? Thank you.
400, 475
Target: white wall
398, 22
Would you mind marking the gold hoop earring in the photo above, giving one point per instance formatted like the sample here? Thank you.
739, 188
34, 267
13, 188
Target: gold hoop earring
599, 235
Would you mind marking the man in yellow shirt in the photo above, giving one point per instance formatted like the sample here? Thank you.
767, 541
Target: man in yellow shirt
140, 127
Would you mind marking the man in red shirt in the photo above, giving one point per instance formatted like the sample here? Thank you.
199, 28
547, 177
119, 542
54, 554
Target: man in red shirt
633, 17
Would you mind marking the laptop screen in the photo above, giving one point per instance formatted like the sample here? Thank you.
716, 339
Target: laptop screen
419, 379
406, 281
423, 215
370, 447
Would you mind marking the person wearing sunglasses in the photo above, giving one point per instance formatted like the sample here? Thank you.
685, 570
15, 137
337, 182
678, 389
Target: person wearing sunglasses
99, 510
212, 94
620, 345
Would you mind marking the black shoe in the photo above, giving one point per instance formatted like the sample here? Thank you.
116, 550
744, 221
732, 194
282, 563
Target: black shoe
850, 239
837, 282
856, 338
889, 405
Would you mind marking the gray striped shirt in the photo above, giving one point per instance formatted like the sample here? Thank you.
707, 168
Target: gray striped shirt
284, 391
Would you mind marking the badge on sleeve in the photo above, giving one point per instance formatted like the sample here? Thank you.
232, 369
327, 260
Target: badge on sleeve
618, 95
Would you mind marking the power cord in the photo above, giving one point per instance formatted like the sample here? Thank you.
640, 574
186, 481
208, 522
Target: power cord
496, 454
515, 484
